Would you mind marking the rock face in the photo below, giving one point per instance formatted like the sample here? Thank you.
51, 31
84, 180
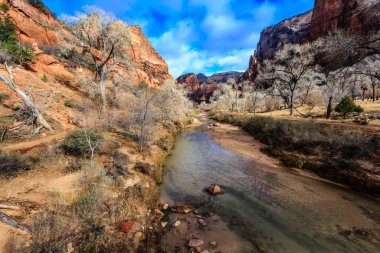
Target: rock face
41, 30
327, 15
189, 82
351, 15
292, 30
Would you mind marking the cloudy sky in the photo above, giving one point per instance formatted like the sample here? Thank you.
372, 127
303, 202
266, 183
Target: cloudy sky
205, 36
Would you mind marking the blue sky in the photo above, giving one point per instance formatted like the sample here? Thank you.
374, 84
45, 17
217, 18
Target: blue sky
205, 36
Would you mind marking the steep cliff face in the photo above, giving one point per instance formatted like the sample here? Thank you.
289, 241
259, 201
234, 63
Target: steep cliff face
327, 15
41, 30
350, 15
189, 82
292, 30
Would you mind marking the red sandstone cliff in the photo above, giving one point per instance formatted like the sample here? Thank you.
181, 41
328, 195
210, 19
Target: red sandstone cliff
40, 30
350, 15
327, 15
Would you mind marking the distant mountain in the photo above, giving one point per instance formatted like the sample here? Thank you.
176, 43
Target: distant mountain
201, 87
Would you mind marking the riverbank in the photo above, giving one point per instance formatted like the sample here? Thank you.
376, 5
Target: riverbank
269, 207
73, 203
347, 157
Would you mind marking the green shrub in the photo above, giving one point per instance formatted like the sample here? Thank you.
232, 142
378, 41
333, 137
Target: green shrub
12, 163
4, 7
76, 142
69, 103
39, 4
3, 97
44, 78
9, 42
347, 106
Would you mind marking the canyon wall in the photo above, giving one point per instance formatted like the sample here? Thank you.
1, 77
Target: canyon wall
328, 15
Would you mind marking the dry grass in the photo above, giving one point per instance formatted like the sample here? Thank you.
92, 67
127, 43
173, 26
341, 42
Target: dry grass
333, 153
371, 108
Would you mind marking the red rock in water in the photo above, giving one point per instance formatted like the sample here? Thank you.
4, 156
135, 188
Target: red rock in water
182, 209
215, 189
202, 222
126, 227
195, 243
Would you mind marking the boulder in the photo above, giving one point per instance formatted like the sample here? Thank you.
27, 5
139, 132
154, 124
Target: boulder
177, 223
215, 189
126, 226
195, 243
185, 209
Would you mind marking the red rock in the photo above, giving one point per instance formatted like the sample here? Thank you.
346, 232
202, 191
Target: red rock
185, 209
126, 227
215, 189
202, 222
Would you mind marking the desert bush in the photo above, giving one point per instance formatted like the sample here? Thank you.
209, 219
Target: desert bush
12, 163
76, 143
3, 97
144, 168
69, 103
4, 7
108, 147
10, 44
44, 78
39, 4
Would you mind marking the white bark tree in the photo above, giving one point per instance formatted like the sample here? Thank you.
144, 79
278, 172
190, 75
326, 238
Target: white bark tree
36, 114
292, 73
104, 39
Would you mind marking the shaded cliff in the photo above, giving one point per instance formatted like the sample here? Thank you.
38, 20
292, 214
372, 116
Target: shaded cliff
358, 16
351, 15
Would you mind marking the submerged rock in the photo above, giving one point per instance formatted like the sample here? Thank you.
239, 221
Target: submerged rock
185, 209
177, 223
125, 227
215, 189
195, 243
202, 222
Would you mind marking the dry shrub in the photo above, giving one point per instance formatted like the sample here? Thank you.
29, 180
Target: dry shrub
13, 163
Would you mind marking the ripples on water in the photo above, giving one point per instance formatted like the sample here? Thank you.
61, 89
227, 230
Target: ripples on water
266, 206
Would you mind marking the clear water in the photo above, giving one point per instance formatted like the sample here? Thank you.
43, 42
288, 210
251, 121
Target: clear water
277, 210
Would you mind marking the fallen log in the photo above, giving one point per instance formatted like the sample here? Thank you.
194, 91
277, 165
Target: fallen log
11, 222
9, 207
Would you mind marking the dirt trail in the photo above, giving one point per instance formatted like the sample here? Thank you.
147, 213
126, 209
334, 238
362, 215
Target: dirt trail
27, 145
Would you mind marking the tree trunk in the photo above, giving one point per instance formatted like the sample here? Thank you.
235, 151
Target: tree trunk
28, 102
329, 108
373, 93
102, 87
291, 106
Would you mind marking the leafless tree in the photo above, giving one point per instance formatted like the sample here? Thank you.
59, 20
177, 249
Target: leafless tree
104, 39
370, 67
292, 73
36, 114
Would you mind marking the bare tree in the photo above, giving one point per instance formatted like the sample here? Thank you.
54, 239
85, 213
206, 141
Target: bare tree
292, 73
104, 39
370, 67
36, 114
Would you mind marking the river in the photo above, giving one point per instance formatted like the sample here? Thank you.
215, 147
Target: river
269, 209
